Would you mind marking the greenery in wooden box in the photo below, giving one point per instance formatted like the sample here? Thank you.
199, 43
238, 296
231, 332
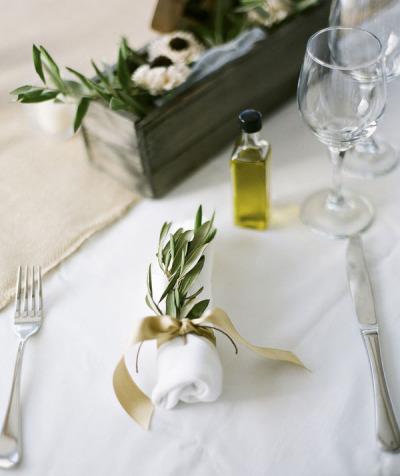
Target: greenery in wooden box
139, 79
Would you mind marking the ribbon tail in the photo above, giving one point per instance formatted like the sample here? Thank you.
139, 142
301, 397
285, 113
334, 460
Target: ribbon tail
132, 399
219, 318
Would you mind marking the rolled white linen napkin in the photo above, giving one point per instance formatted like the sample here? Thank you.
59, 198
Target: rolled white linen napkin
187, 370
190, 372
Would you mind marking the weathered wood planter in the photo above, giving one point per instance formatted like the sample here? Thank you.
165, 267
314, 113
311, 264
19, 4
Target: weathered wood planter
155, 153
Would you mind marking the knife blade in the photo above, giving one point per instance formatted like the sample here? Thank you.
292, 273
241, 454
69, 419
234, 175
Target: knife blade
360, 284
387, 429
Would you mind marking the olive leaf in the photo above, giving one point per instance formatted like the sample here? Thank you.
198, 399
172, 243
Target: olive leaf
24, 89
192, 275
91, 87
100, 74
194, 295
81, 77
39, 95
188, 302
37, 62
163, 233
52, 70
169, 287
81, 111
149, 297
193, 258
172, 247
198, 218
122, 70
149, 282
179, 260
170, 306
32, 93
198, 309
116, 104
152, 305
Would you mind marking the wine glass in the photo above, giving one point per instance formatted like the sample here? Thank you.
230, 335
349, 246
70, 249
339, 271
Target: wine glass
341, 95
374, 156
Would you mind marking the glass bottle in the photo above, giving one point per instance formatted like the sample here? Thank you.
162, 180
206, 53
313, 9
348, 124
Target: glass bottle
250, 169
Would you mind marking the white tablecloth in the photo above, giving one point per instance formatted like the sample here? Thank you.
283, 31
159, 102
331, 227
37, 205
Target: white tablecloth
286, 287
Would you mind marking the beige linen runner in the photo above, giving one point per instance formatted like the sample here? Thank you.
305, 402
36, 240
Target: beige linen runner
51, 199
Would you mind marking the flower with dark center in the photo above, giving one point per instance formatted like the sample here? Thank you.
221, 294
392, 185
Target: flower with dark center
161, 61
178, 44
179, 47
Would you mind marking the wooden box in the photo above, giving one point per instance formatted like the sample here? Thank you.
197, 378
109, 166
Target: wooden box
157, 152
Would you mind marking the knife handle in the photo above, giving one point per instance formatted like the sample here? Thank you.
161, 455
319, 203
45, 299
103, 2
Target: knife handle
387, 430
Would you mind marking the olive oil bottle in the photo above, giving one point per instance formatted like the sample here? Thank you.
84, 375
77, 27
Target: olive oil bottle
250, 169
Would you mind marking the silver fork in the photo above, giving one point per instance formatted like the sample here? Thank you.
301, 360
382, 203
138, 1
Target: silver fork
27, 321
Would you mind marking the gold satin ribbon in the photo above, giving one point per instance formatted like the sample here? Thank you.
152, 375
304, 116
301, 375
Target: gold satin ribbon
165, 328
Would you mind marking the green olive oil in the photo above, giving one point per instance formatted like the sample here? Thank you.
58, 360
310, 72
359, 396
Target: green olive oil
250, 169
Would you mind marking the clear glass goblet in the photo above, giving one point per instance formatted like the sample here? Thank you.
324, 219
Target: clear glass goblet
341, 95
374, 156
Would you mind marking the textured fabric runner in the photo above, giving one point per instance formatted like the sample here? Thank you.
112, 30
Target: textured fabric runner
51, 199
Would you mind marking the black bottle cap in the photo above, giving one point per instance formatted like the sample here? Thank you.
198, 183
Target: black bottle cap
250, 120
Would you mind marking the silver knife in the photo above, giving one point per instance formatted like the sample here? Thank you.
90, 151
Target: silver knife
387, 429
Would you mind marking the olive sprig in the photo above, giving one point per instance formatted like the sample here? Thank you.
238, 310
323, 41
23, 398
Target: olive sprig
111, 85
181, 259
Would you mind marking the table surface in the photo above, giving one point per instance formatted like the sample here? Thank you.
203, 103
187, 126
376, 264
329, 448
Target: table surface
285, 287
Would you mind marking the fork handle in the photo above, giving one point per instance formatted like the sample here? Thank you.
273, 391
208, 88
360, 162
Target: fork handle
387, 429
10, 437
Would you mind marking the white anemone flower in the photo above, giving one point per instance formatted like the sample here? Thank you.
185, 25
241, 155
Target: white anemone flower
179, 46
160, 75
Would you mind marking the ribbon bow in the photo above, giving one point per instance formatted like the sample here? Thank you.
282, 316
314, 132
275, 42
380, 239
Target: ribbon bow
165, 328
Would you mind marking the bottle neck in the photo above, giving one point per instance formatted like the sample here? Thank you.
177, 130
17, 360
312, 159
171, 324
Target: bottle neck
250, 139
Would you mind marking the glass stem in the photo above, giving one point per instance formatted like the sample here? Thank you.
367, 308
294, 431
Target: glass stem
335, 198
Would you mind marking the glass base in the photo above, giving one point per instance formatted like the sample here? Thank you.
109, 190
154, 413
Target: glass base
353, 215
371, 159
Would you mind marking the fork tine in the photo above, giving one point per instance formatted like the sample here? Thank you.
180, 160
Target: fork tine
39, 291
33, 300
25, 306
18, 292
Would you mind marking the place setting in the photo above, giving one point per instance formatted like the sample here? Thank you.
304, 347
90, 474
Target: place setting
194, 303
